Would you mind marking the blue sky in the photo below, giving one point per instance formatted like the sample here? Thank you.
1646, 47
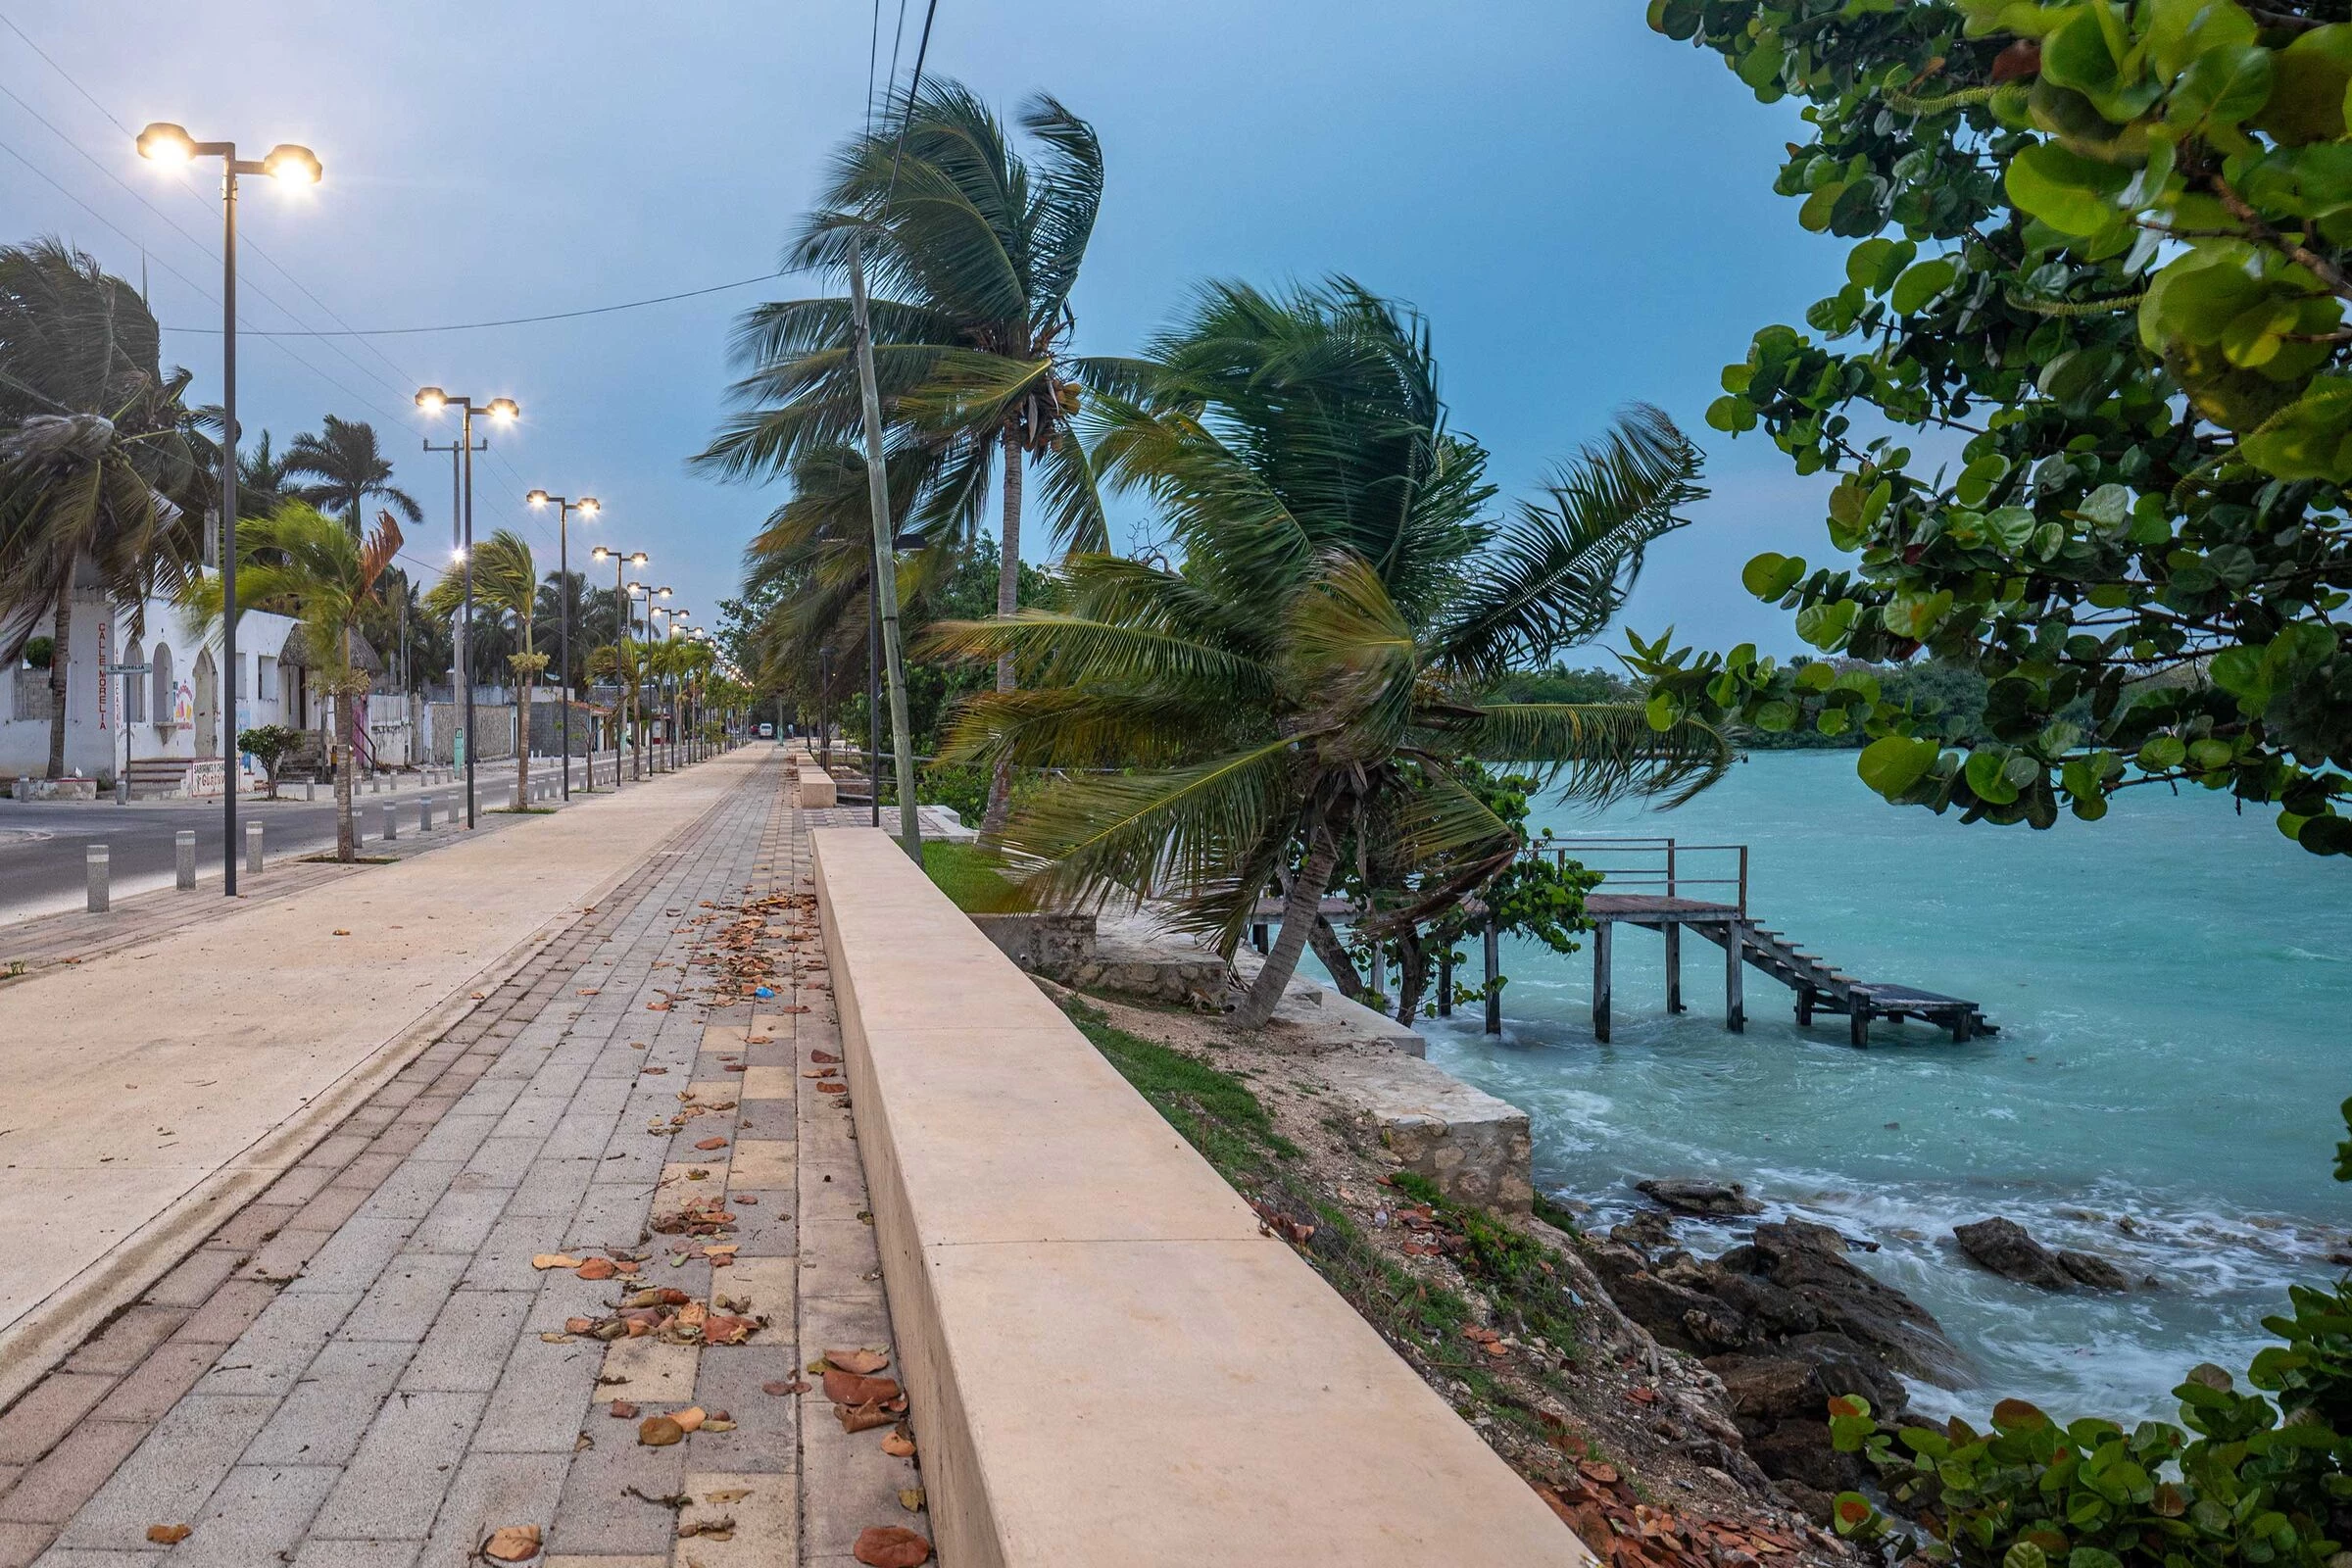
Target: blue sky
1582, 207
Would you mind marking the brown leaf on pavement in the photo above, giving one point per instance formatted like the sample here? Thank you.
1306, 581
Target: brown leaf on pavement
782, 1385
864, 1417
690, 1419
891, 1546
723, 1330
659, 1431
911, 1498
168, 1534
512, 1543
899, 1446
598, 1268
624, 1410
859, 1361
555, 1261
822, 1055
710, 1143
848, 1387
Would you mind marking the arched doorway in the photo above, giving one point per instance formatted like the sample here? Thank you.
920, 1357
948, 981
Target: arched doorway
208, 706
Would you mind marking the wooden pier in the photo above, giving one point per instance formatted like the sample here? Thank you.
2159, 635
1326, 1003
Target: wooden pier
1649, 882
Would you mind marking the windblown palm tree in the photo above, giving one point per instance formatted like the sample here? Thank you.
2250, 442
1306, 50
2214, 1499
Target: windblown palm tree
1317, 669
973, 250
351, 469
305, 561
264, 479
627, 663
506, 581
102, 473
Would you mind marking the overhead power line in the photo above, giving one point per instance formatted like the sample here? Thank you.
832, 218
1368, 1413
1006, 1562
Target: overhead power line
510, 320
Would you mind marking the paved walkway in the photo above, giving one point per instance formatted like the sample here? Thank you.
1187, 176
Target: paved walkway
365, 1368
146, 1092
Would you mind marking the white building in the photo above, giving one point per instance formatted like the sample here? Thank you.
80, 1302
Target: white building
163, 724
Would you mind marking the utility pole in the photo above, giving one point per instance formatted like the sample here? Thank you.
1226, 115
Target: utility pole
885, 575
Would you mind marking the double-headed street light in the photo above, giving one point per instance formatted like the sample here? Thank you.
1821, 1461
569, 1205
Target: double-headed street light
625, 618
644, 762
564, 507
432, 400
671, 620
293, 168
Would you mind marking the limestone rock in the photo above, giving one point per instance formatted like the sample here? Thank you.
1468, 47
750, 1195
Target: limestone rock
2003, 1246
2093, 1270
1699, 1195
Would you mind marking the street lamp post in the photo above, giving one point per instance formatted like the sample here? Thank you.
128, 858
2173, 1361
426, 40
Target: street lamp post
432, 400
625, 615
646, 763
672, 620
586, 507
291, 166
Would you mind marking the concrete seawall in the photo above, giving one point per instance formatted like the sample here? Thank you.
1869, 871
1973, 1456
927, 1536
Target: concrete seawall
1109, 1361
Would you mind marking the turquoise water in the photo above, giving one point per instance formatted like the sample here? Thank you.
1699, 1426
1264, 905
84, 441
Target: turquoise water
2173, 988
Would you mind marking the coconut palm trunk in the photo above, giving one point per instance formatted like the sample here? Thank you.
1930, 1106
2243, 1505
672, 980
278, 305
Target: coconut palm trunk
60, 635
347, 839
1301, 903
1008, 599
522, 743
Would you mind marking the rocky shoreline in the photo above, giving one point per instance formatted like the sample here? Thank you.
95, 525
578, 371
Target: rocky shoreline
1789, 1322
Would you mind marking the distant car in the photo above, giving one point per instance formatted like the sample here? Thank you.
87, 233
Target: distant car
767, 732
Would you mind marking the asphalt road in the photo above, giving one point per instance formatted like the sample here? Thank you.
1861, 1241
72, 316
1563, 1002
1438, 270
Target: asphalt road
42, 842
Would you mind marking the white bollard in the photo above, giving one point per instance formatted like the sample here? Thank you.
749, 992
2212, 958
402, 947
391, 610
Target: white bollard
253, 849
424, 815
183, 844
96, 863
391, 822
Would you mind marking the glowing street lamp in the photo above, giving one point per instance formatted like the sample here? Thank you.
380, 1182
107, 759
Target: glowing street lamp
170, 146
621, 559
432, 400
586, 507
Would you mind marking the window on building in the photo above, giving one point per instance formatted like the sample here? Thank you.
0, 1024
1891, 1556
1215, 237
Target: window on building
160, 683
265, 682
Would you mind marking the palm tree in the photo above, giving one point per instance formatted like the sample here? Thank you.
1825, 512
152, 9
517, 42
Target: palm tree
103, 476
506, 580
350, 470
265, 478
308, 563
1316, 671
973, 249
627, 662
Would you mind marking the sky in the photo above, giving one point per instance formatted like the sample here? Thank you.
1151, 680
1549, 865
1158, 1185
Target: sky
1582, 207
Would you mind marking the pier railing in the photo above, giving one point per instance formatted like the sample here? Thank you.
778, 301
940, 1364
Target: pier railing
1659, 867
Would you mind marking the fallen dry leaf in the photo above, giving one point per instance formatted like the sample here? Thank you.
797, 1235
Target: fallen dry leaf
864, 1417
339, 931
859, 1361
822, 1055
780, 1386
168, 1534
598, 1268
710, 1143
512, 1543
891, 1546
659, 1431
691, 1418
911, 1498
555, 1261
624, 1410
848, 1388
590, 991
899, 1446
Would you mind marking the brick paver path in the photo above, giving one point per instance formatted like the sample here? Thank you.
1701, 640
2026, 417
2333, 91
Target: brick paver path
363, 1368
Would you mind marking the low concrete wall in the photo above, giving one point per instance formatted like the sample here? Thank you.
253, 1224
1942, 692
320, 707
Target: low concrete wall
1109, 1361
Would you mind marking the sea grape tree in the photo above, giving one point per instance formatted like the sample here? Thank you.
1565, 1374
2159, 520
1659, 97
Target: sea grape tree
2100, 262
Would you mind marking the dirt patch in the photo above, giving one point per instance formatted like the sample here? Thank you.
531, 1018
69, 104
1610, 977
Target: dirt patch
1632, 1444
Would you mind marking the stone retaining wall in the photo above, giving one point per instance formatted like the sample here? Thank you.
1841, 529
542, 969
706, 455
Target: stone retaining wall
1110, 1360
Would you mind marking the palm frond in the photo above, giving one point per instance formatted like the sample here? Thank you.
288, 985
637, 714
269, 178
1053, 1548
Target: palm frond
1596, 751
